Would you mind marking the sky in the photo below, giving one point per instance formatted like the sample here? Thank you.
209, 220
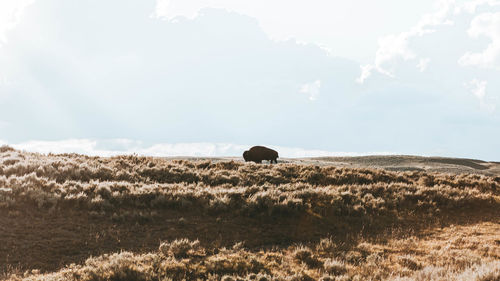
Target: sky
213, 77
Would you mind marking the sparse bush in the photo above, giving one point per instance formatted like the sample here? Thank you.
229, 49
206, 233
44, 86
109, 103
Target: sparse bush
353, 257
6, 148
180, 247
326, 245
304, 255
334, 266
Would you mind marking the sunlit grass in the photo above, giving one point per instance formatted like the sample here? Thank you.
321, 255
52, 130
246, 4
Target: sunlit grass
359, 201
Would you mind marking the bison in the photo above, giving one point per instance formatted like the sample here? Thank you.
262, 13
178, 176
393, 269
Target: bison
259, 153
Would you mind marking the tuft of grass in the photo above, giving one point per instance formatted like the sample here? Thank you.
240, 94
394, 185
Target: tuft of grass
326, 245
6, 148
303, 254
180, 248
334, 266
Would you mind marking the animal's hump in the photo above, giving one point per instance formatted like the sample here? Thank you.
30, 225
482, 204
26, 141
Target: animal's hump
259, 147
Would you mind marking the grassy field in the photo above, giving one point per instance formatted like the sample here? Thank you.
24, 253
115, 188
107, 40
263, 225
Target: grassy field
74, 217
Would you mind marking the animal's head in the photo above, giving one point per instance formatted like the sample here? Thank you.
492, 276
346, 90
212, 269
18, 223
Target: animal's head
245, 156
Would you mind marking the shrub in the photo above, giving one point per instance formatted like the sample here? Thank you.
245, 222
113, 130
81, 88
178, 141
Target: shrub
179, 248
6, 148
334, 266
304, 254
326, 245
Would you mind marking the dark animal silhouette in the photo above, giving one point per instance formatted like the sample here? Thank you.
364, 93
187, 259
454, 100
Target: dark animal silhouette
259, 153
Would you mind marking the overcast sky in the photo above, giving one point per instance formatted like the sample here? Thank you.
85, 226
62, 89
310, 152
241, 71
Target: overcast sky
210, 77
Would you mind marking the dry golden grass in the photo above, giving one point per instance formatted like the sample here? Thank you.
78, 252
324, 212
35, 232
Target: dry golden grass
472, 255
144, 218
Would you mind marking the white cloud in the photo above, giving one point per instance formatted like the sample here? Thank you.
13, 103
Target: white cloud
392, 47
396, 46
11, 12
162, 9
311, 89
194, 149
471, 6
423, 64
321, 22
488, 25
82, 146
124, 146
366, 71
478, 89
116, 147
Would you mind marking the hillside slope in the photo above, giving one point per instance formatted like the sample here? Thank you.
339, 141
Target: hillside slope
387, 162
144, 218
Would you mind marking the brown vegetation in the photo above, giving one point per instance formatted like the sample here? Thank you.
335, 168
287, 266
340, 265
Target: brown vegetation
150, 219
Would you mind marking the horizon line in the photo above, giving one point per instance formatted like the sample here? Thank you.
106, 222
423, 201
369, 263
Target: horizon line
121, 146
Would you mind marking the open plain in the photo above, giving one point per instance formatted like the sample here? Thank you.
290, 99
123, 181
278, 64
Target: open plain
75, 217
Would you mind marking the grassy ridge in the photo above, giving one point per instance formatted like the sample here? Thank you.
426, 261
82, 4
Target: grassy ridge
108, 184
124, 189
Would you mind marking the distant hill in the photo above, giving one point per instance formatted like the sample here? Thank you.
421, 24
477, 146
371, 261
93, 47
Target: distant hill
387, 162
412, 163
